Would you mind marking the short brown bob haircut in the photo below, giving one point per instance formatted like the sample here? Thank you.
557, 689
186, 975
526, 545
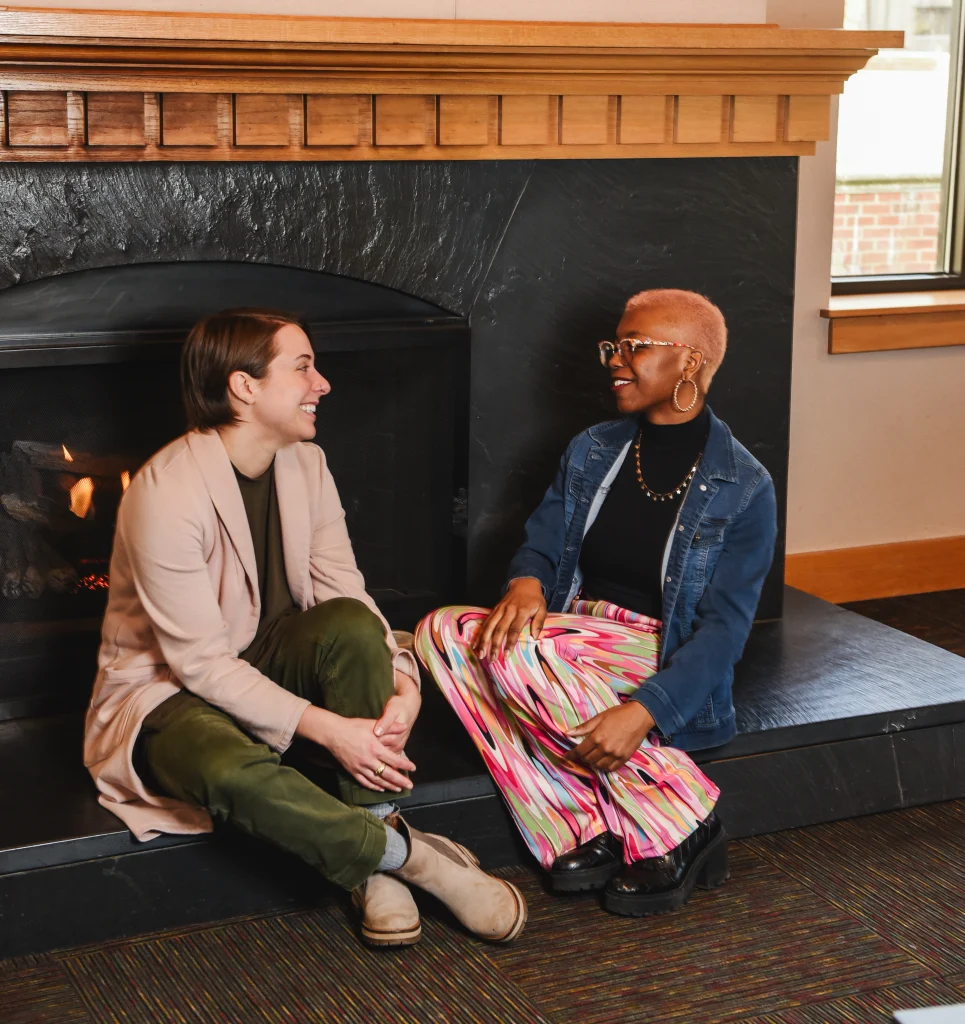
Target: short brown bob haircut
218, 346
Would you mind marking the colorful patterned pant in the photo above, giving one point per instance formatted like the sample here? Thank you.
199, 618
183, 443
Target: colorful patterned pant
517, 710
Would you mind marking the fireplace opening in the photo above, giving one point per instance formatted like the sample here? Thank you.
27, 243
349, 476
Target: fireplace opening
89, 391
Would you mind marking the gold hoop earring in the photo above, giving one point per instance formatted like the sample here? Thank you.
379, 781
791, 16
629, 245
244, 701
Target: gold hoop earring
676, 404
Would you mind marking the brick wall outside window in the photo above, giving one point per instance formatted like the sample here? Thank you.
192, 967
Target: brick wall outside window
886, 228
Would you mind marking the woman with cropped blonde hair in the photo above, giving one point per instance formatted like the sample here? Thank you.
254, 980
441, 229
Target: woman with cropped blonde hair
612, 650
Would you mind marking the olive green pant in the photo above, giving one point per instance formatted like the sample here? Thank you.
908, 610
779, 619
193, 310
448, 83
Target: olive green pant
334, 655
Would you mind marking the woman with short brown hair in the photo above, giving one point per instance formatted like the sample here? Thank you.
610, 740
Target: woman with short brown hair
237, 622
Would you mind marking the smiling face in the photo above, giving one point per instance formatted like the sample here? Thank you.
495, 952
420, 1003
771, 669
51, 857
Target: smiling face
645, 383
281, 405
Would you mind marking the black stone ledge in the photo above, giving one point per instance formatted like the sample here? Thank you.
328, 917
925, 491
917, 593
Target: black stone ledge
820, 679
116, 841
823, 674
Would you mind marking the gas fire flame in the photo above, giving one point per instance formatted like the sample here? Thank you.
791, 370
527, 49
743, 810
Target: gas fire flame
125, 480
82, 497
67, 456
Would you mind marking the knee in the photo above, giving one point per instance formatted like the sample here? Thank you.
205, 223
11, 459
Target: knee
343, 617
452, 625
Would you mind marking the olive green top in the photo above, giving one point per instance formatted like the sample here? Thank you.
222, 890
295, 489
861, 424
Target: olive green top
264, 521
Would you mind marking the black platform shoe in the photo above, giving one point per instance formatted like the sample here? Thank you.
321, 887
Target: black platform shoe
589, 866
660, 884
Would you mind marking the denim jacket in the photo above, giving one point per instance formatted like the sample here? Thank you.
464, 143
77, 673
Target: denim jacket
715, 561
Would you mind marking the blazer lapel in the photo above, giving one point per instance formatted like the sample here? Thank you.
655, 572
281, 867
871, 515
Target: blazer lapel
219, 478
293, 508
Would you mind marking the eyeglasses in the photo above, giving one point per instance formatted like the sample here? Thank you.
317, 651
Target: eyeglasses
629, 347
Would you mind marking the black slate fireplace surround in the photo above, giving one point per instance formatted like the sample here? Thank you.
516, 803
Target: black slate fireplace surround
103, 269
537, 256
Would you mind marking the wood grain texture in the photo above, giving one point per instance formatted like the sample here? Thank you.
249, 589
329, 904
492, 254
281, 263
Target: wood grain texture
932, 329
645, 119
698, 119
37, 118
498, 86
808, 118
879, 570
466, 120
754, 119
365, 151
466, 64
334, 120
938, 300
403, 120
115, 119
528, 120
584, 120
261, 120
443, 33
76, 120
189, 119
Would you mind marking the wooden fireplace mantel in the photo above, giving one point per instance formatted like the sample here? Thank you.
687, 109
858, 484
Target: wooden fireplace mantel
81, 86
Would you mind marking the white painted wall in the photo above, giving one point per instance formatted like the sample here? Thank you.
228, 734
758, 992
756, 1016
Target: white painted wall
875, 438
732, 12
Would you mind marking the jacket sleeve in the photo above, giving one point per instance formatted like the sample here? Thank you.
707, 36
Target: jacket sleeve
723, 618
545, 534
165, 552
334, 572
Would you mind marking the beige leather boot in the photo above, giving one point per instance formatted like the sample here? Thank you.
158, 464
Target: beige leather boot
489, 907
389, 914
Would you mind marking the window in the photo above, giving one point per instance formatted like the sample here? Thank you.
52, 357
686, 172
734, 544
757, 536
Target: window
897, 198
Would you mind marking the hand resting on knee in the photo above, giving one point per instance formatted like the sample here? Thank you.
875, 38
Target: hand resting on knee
522, 603
353, 743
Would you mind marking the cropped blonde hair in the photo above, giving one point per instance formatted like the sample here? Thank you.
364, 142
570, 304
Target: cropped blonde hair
697, 314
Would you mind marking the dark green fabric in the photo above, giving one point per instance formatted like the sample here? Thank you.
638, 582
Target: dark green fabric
264, 520
334, 655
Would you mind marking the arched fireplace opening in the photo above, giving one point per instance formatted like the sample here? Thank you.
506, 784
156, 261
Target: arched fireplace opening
89, 390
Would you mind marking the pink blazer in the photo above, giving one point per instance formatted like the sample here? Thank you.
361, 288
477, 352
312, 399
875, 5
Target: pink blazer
184, 601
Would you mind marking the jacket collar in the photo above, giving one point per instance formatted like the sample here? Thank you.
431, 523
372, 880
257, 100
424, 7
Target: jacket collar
719, 460
219, 477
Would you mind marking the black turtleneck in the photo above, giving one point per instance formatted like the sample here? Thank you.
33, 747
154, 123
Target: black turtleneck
622, 554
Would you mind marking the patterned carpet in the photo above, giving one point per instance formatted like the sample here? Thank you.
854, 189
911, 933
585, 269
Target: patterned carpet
836, 924
832, 924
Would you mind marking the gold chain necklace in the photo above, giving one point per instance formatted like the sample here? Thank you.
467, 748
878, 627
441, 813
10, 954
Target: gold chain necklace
674, 491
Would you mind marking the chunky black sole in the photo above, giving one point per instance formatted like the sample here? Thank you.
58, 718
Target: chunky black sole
708, 871
582, 881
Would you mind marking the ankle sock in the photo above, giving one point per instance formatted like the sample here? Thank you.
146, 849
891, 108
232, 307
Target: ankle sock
396, 850
382, 810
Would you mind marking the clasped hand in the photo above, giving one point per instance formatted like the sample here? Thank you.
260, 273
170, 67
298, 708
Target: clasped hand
371, 751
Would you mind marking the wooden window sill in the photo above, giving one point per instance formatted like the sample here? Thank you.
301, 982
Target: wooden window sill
895, 320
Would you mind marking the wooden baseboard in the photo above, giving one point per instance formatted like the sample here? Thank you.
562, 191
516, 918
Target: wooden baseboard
879, 570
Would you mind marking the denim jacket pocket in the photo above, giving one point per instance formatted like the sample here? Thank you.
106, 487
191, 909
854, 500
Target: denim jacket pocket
709, 532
